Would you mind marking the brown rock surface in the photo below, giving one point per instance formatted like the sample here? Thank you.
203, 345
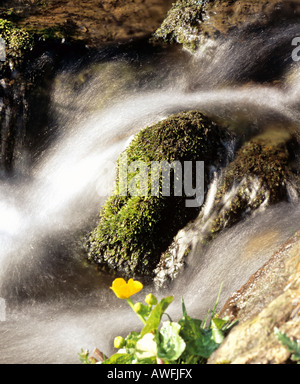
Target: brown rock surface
222, 16
93, 21
270, 299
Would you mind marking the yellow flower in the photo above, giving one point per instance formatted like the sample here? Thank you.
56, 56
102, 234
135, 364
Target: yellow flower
125, 290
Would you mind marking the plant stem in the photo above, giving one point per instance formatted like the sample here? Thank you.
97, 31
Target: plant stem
129, 301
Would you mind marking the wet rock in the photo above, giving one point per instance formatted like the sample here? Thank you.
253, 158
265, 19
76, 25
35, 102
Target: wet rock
191, 22
259, 175
92, 21
183, 24
32, 29
270, 299
135, 230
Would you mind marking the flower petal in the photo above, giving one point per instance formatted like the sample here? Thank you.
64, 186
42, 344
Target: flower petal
125, 290
134, 286
119, 286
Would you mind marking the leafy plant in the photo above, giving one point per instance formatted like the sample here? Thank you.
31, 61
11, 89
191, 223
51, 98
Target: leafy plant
188, 341
84, 357
292, 345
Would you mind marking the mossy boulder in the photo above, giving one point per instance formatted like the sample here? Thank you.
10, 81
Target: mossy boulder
182, 24
17, 39
135, 230
259, 175
190, 22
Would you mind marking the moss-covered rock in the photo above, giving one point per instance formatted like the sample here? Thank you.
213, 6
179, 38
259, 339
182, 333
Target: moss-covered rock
17, 39
183, 23
135, 230
189, 22
260, 175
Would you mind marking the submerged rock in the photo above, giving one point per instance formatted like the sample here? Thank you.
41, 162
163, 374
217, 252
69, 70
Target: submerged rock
135, 230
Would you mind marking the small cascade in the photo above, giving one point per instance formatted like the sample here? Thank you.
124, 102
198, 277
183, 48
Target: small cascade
53, 297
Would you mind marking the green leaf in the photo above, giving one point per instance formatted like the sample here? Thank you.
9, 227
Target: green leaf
150, 360
216, 305
84, 357
295, 357
292, 345
218, 323
218, 336
170, 344
198, 341
217, 330
154, 319
184, 312
119, 358
131, 341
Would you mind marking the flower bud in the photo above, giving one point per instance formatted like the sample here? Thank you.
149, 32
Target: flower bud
119, 342
151, 299
139, 308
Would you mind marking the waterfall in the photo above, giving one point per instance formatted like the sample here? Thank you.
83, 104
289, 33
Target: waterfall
55, 303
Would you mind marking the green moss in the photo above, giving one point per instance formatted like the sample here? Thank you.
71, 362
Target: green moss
10, 14
17, 39
135, 230
55, 32
191, 22
259, 174
182, 24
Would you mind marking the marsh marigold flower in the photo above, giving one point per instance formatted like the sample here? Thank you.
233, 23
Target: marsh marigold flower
125, 290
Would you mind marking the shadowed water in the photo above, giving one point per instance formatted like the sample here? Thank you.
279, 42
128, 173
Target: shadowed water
57, 303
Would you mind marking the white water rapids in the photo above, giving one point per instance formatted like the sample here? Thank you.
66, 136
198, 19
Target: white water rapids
55, 304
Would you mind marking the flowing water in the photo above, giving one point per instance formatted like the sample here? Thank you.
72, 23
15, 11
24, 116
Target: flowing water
56, 303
